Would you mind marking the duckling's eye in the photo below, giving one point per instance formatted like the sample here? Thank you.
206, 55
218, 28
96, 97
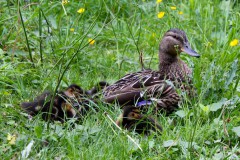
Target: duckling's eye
133, 115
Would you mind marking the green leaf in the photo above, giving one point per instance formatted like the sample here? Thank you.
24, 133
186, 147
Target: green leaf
11, 122
186, 144
218, 156
218, 105
169, 143
151, 144
180, 113
236, 130
1, 52
38, 131
94, 130
232, 73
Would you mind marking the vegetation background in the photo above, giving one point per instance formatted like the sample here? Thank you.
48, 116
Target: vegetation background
46, 43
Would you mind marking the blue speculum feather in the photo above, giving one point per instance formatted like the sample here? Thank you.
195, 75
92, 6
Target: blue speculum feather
144, 102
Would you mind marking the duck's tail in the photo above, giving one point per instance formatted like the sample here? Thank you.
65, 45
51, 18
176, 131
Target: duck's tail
98, 87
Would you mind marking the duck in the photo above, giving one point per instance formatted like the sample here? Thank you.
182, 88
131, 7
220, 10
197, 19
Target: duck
133, 119
157, 88
73, 102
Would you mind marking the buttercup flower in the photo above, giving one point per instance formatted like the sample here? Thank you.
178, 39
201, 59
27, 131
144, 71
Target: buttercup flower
64, 2
161, 14
209, 44
153, 35
158, 1
71, 29
81, 10
234, 42
173, 8
205, 109
180, 12
11, 139
91, 41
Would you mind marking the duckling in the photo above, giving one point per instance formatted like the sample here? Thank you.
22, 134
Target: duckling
132, 119
157, 86
63, 104
72, 102
40, 104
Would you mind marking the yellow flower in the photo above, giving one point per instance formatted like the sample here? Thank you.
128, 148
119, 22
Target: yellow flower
6, 93
11, 138
173, 8
81, 10
234, 42
91, 41
64, 2
71, 29
161, 14
180, 12
209, 44
153, 35
158, 1
204, 108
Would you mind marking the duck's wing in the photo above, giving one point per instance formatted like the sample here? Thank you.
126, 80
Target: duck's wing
131, 86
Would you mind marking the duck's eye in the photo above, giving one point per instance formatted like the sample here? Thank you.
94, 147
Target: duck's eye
176, 37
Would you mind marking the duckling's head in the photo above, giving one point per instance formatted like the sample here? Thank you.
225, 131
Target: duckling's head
174, 42
130, 114
73, 90
132, 118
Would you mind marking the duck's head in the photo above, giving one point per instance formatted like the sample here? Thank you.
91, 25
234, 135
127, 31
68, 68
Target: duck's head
174, 42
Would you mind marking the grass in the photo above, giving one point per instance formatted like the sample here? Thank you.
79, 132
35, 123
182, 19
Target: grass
39, 52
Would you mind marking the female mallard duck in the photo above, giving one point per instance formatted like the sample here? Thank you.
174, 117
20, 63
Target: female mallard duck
147, 87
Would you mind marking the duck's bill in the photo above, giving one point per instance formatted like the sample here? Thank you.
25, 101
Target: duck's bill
190, 51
